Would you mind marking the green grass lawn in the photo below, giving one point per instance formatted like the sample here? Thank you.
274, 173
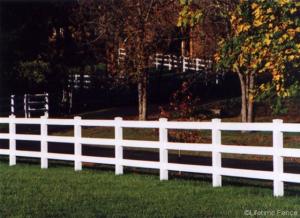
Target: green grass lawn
28, 191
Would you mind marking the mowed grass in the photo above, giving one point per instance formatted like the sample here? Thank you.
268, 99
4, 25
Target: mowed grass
28, 191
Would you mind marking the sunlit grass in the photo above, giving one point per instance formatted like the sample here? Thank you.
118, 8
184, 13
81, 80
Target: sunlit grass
28, 191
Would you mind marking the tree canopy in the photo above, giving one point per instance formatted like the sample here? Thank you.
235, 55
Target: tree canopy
264, 39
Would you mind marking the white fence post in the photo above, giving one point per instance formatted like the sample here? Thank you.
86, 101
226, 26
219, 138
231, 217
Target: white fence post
278, 185
119, 56
163, 152
77, 144
46, 113
216, 155
197, 64
12, 140
12, 104
156, 61
169, 62
184, 64
25, 106
44, 143
28, 106
118, 146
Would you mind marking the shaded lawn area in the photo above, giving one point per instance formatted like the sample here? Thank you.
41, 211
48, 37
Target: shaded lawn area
28, 191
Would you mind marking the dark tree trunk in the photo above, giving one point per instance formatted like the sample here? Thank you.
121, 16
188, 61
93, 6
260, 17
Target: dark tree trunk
142, 96
250, 115
244, 98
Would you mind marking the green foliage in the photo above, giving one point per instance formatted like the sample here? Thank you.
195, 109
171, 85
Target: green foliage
277, 103
278, 107
188, 16
35, 71
264, 38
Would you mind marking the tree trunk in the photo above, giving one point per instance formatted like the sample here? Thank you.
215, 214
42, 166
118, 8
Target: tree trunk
145, 99
142, 96
250, 117
244, 98
183, 47
247, 88
183, 43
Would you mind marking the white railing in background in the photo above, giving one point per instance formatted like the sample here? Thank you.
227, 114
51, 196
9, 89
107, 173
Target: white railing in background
174, 62
278, 176
77, 81
36, 103
31, 103
184, 63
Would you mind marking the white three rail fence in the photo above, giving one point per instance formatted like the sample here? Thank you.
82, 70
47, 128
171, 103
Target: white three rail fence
277, 127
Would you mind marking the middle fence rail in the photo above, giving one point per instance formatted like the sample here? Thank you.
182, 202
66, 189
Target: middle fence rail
277, 151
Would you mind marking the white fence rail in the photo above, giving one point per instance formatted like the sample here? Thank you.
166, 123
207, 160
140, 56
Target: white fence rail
277, 151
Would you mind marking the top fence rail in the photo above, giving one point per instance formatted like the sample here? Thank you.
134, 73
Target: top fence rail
184, 125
